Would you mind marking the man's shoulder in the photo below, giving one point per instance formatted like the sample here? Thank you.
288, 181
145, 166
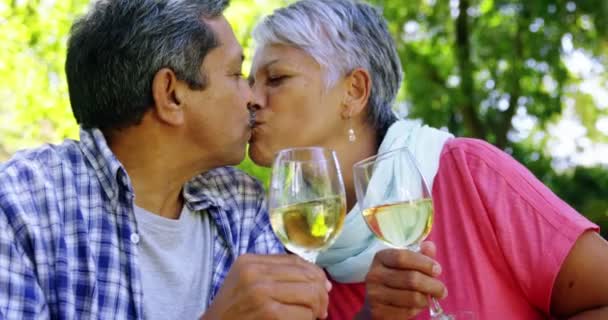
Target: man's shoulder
34, 182
47, 161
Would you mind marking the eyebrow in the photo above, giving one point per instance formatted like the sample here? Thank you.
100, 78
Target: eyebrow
268, 64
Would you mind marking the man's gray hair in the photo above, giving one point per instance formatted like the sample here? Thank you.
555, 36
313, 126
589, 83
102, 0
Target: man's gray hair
115, 50
341, 35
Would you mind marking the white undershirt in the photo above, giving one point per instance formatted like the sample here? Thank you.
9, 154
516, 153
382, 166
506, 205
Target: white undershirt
175, 260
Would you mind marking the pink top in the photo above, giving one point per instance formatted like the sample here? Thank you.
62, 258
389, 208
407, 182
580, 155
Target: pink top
501, 235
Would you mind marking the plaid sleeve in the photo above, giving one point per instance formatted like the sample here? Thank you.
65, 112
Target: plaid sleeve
20, 295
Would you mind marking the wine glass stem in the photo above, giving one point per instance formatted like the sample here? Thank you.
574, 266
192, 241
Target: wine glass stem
436, 311
435, 308
310, 256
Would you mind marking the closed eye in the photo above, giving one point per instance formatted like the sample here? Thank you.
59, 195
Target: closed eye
276, 81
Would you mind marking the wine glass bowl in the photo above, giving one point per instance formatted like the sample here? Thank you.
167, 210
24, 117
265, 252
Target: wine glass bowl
394, 197
306, 200
387, 221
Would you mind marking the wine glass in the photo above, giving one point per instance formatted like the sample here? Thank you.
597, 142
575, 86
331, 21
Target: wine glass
396, 203
306, 201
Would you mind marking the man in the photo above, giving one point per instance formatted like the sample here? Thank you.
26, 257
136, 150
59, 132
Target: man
114, 226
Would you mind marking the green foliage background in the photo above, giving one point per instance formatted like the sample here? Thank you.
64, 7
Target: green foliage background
473, 66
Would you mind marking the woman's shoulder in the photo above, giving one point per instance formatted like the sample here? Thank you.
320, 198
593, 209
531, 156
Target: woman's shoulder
474, 152
503, 184
470, 145
486, 168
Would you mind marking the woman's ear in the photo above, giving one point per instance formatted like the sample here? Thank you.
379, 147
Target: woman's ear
358, 88
167, 92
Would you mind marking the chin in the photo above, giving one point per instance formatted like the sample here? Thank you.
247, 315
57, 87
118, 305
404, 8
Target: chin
259, 157
234, 159
234, 156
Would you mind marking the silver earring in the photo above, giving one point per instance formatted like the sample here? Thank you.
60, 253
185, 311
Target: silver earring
351, 132
351, 135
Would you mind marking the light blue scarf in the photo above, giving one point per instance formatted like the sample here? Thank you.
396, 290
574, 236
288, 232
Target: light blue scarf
350, 257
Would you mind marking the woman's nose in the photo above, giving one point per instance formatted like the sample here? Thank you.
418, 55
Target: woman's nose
257, 99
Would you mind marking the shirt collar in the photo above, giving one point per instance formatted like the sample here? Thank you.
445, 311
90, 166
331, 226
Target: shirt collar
204, 191
108, 169
199, 193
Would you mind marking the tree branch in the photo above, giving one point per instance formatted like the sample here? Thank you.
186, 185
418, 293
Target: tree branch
467, 101
504, 123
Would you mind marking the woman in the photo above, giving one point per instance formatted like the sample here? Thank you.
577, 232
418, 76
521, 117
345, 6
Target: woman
326, 73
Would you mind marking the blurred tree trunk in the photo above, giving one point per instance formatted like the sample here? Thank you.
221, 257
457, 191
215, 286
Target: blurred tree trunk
466, 103
503, 124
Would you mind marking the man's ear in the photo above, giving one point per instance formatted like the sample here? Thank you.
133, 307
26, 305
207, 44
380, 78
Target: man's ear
167, 92
358, 88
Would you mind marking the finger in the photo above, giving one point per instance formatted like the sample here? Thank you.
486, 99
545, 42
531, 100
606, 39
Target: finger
297, 313
428, 249
295, 273
273, 258
280, 268
401, 298
280, 311
408, 260
310, 295
406, 280
392, 312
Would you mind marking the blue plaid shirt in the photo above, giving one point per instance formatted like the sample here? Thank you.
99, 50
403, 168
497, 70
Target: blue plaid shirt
68, 236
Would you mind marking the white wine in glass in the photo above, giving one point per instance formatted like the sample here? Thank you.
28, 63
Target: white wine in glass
401, 224
396, 203
306, 200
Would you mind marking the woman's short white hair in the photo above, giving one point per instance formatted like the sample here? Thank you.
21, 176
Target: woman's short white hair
341, 35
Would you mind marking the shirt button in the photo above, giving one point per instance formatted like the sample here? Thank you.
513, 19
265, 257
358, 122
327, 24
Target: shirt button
134, 238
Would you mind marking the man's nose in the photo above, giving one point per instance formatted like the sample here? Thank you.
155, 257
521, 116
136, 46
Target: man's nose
252, 107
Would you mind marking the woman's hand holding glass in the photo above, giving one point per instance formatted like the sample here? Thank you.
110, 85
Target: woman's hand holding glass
399, 282
396, 203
